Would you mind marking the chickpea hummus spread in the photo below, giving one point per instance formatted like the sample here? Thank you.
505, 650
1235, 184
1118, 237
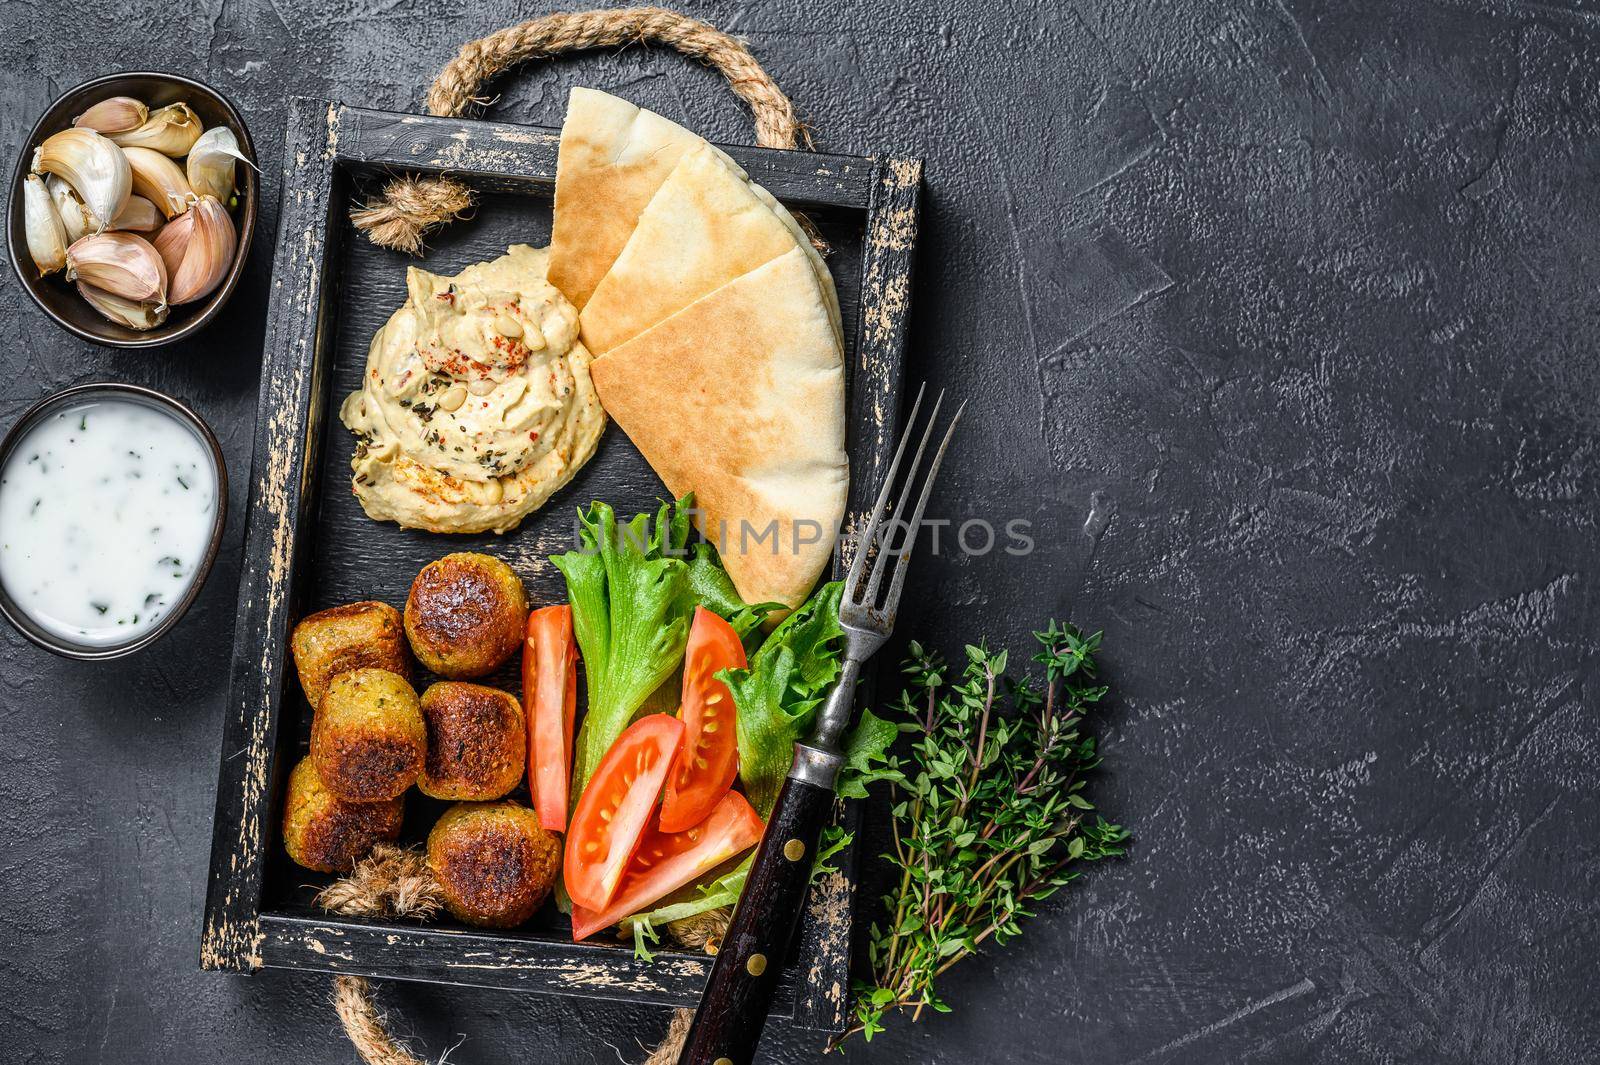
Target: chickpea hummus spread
476, 405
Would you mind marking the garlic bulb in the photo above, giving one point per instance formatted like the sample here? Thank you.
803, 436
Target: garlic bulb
135, 314
119, 263
47, 237
206, 254
171, 130
119, 114
211, 163
97, 170
158, 179
138, 215
74, 215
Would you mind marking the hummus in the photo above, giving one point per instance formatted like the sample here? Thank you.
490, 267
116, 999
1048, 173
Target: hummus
476, 404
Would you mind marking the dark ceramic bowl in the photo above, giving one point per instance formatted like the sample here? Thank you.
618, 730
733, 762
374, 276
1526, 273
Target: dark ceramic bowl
59, 298
50, 641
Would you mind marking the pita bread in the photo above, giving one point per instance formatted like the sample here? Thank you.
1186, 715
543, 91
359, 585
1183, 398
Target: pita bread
704, 227
613, 157
739, 398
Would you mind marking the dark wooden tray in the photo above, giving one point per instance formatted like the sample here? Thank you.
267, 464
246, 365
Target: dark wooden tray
309, 546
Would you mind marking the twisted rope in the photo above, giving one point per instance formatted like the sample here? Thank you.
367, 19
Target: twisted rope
394, 882
391, 882
410, 206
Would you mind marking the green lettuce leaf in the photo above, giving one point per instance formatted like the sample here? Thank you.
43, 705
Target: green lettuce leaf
711, 587
633, 588
866, 755
627, 594
689, 901
866, 751
778, 696
633, 591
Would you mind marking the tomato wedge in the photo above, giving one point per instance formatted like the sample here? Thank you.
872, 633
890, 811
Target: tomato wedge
666, 861
549, 702
709, 756
615, 808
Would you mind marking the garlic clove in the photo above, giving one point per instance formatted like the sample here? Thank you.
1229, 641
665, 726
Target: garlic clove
138, 215
211, 161
173, 241
97, 170
47, 237
119, 114
208, 255
159, 180
122, 264
75, 217
170, 130
135, 314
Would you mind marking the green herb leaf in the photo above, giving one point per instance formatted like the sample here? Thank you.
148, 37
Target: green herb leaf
984, 802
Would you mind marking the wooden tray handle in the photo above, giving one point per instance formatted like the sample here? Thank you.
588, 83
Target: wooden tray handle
409, 206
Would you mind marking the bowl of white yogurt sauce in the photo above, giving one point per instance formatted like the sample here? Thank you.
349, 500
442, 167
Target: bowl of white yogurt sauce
113, 500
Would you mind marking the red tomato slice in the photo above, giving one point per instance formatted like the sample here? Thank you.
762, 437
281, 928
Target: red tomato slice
709, 757
615, 808
666, 861
549, 701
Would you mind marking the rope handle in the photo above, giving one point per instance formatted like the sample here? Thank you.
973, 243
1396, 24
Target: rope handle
409, 206
395, 882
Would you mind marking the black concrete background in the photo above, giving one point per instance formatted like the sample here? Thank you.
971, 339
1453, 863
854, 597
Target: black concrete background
1275, 317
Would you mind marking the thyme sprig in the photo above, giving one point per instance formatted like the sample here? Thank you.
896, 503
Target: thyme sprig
988, 811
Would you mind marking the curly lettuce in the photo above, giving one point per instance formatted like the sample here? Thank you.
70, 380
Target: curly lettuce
778, 695
777, 699
633, 588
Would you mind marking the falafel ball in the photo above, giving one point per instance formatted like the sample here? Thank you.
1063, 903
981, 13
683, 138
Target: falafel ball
323, 832
477, 741
466, 615
494, 862
366, 635
368, 740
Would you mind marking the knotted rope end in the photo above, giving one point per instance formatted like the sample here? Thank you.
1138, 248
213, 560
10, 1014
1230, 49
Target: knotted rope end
408, 208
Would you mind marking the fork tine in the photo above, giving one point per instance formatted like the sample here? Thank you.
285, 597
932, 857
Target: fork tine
852, 581
892, 599
880, 564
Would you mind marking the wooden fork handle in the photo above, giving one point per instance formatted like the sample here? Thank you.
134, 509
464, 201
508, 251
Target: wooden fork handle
733, 1009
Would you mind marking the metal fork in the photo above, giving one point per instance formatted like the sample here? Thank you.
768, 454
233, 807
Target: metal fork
733, 1008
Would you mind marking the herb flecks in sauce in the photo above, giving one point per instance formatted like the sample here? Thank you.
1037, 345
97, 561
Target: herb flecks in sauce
99, 562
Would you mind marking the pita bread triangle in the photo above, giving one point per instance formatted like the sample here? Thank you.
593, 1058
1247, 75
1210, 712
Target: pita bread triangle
704, 227
612, 159
739, 398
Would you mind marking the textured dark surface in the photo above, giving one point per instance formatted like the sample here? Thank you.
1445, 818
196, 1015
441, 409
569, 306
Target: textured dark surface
1275, 318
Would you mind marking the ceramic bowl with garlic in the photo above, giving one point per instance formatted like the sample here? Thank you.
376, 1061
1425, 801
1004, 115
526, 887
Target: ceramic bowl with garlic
132, 208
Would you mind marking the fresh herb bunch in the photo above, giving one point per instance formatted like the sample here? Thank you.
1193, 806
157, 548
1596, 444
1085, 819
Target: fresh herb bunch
989, 813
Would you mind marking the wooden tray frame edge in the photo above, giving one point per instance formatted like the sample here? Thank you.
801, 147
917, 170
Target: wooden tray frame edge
323, 141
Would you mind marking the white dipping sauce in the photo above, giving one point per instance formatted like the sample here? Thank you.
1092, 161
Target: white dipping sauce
106, 510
